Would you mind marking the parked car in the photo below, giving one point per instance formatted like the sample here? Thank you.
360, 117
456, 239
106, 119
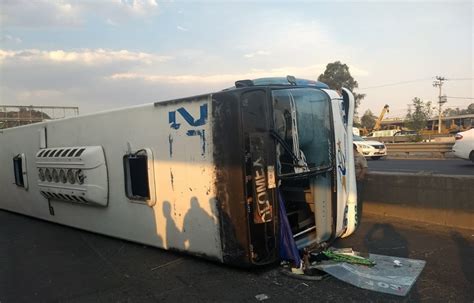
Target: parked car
464, 146
370, 148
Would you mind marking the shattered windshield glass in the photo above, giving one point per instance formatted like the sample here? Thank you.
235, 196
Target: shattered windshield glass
303, 128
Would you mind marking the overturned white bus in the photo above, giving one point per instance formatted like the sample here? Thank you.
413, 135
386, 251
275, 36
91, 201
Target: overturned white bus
199, 175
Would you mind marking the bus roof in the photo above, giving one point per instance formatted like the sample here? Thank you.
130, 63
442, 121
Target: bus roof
287, 81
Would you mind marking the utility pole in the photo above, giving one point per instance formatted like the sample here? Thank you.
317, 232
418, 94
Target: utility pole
441, 99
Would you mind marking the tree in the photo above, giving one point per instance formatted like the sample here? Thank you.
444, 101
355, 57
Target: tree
452, 112
418, 117
470, 109
368, 120
337, 75
457, 111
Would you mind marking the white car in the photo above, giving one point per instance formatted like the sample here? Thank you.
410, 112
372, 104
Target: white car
464, 146
370, 148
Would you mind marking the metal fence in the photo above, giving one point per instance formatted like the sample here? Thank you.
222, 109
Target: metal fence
17, 115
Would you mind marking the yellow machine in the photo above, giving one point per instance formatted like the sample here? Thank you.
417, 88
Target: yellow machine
382, 114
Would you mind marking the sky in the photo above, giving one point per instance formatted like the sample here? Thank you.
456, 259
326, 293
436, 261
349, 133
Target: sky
101, 55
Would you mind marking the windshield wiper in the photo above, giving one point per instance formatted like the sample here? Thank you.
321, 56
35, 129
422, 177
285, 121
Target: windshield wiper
312, 172
286, 147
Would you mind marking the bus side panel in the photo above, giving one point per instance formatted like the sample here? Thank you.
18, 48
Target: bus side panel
342, 183
184, 216
346, 190
12, 197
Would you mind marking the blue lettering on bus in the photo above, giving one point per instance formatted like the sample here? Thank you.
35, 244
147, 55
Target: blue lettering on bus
202, 135
187, 117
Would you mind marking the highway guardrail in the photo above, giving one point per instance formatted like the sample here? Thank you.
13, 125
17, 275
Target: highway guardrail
413, 138
434, 149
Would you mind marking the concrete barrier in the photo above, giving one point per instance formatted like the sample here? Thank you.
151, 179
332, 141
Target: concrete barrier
439, 199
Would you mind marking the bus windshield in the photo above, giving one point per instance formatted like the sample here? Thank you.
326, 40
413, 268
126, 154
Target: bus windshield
303, 127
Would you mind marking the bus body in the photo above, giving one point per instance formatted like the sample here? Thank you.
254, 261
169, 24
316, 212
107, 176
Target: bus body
199, 175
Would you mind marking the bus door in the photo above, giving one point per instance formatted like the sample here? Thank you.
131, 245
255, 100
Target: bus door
260, 179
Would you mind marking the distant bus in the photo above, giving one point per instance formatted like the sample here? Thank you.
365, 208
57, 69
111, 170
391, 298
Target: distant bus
202, 175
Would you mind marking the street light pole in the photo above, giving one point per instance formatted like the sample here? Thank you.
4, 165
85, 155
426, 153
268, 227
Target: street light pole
439, 83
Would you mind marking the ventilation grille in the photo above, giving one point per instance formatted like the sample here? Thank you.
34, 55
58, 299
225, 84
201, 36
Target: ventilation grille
65, 197
60, 153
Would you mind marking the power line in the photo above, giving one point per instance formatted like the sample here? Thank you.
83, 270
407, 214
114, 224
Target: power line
413, 81
398, 83
458, 104
460, 79
459, 97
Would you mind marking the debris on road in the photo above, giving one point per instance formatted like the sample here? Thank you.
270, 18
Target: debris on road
397, 263
383, 276
347, 255
262, 297
386, 274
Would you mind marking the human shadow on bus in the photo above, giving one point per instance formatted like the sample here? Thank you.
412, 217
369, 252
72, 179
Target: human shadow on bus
207, 231
174, 237
199, 225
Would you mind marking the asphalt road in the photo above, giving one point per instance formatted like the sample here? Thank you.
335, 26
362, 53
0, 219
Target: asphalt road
447, 167
45, 262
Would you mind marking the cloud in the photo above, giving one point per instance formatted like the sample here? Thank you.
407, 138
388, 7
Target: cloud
183, 29
111, 22
70, 13
357, 72
222, 79
40, 13
85, 56
98, 79
76, 78
39, 94
9, 38
257, 53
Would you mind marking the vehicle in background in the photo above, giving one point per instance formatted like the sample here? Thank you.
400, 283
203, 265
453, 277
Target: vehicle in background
383, 133
370, 148
406, 133
464, 146
355, 131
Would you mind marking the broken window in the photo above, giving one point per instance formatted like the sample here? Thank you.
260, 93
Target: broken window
19, 169
136, 176
303, 124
